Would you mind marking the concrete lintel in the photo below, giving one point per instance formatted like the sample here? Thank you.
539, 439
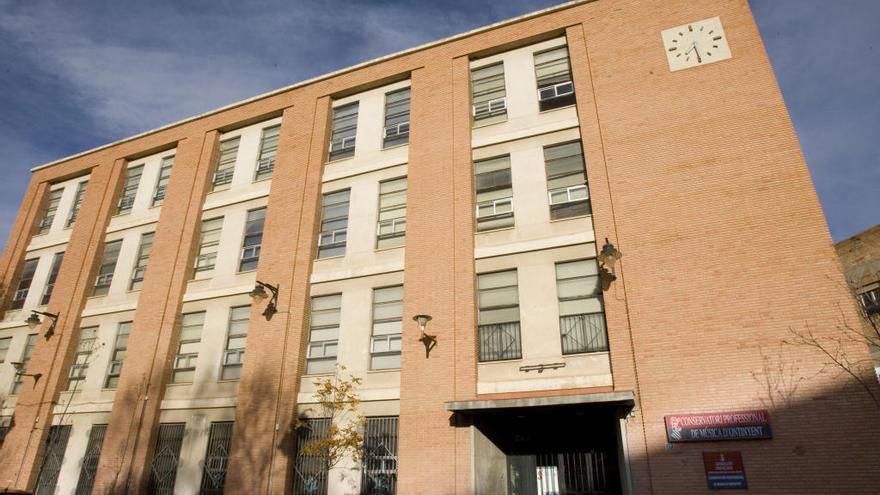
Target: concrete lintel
622, 398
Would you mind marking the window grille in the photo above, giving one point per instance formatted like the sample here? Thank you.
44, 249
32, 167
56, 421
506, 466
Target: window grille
334, 224
379, 472
216, 458
236, 340
498, 316
391, 228
77, 203
581, 316
209, 243
268, 151
140, 266
555, 89
90, 460
119, 348
344, 131
53, 275
129, 189
311, 470
108, 266
53, 457
253, 237
489, 96
51, 210
323, 334
24, 283
226, 164
387, 328
494, 193
190, 339
25, 360
396, 129
80, 365
567, 188
166, 458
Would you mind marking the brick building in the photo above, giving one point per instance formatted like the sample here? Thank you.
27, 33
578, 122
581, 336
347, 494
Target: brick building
474, 180
860, 257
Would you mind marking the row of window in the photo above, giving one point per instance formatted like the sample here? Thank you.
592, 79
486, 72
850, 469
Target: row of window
132, 181
54, 203
224, 171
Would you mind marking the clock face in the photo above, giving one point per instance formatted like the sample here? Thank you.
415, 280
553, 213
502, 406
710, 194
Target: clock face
695, 43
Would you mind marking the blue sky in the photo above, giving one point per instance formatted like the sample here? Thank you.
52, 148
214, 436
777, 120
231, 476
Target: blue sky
77, 74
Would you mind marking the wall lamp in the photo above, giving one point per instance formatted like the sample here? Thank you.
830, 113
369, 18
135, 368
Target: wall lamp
608, 257
429, 341
33, 321
259, 293
20, 371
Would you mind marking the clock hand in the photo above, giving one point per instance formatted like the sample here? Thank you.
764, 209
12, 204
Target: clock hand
699, 59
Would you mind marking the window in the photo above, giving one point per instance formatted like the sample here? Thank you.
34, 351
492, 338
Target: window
90, 460
51, 209
379, 474
140, 266
581, 320
566, 181
24, 283
396, 130
233, 355
334, 224
494, 193
870, 301
216, 458
80, 366
119, 348
129, 189
226, 164
323, 334
108, 266
268, 150
162, 182
4, 348
209, 242
77, 203
387, 328
253, 239
29, 345
53, 457
344, 130
311, 470
489, 96
498, 316
166, 458
555, 89
391, 230
188, 347
53, 275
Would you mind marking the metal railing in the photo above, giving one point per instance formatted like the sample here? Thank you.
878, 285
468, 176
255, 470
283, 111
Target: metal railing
500, 341
583, 333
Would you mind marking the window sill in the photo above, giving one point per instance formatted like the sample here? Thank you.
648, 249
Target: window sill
339, 160
476, 124
257, 181
338, 256
179, 384
389, 248
500, 361
587, 353
588, 215
395, 146
386, 370
542, 112
313, 375
500, 229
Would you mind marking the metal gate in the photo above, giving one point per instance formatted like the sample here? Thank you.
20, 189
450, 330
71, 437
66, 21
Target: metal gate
379, 474
310, 471
216, 459
90, 460
163, 468
568, 473
56, 444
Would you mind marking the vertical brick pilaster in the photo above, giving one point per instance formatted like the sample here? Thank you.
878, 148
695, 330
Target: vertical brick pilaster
33, 412
128, 444
263, 438
438, 281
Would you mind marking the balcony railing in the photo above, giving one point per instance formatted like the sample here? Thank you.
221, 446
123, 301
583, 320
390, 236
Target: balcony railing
583, 333
500, 341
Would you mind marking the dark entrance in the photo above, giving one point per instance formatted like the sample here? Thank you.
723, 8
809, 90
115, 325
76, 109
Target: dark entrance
561, 450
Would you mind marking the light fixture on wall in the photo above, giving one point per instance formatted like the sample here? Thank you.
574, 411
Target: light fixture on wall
608, 257
259, 293
33, 321
19, 371
429, 341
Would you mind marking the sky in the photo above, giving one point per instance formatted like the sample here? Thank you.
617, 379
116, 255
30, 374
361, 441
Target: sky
78, 74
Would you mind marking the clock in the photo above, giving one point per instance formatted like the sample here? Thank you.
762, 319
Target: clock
695, 43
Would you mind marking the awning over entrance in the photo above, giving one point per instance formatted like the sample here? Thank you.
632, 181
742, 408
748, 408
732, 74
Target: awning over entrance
625, 398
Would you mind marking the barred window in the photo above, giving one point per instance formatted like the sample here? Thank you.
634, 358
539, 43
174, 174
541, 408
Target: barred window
555, 89
323, 334
166, 459
344, 131
108, 266
311, 471
90, 460
162, 181
387, 328
188, 347
77, 203
53, 275
209, 243
391, 229
226, 164
53, 457
80, 366
119, 348
236, 339
498, 316
379, 474
494, 190
334, 224
129, 189
581, 316
396, 130
567, 188
140, 266
51, 210
24, 283
489, 95
268, 150
253, 240
216, 458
